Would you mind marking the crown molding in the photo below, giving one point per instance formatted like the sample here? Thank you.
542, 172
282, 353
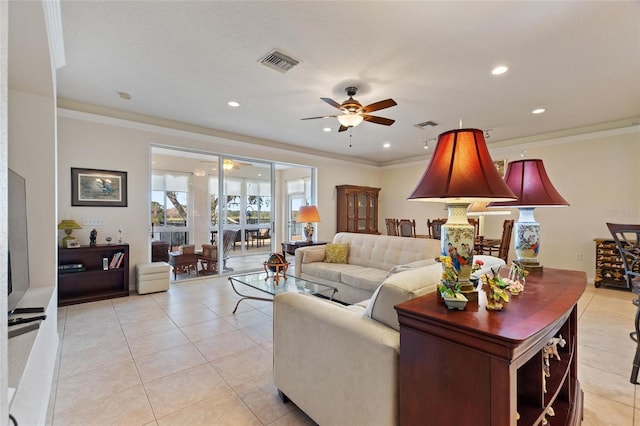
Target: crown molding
101, 115
53, 20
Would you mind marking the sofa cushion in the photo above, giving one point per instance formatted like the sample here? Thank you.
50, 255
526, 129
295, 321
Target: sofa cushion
336, 253
365, 278
399, 288
327, 271
384, 251
400, 268
310, 256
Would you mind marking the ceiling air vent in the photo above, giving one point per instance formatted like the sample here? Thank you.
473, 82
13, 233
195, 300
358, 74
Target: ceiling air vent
426, 124
279, 61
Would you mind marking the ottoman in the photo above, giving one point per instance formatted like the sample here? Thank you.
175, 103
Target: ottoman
152, 277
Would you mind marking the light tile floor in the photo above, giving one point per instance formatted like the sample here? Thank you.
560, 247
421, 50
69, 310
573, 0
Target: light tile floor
181, 357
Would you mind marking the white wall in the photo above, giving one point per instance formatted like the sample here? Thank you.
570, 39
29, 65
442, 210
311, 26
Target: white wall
585, 169
32, 150
31, 135
91, 141
596, 173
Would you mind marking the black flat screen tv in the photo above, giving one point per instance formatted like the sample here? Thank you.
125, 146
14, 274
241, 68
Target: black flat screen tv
18, 258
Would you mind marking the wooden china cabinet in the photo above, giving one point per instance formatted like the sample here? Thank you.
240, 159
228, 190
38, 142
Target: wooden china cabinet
357, 209
485, 368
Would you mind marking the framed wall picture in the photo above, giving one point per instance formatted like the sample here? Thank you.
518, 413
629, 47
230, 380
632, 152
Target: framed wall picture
98, 188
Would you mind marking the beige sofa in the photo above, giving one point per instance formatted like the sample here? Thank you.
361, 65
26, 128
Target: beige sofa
370, 260
339, 364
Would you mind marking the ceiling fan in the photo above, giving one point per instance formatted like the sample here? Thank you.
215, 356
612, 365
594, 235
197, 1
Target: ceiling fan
354, 113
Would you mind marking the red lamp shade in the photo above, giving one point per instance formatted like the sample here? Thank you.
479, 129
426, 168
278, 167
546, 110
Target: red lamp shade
529, 181
461, 169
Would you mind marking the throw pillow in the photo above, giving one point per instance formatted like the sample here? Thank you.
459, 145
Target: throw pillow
313, 255
336, 253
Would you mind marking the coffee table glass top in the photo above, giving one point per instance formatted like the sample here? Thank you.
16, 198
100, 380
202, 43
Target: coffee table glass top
260, 281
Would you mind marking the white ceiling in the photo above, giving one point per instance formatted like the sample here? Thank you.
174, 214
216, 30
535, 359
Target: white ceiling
185, 60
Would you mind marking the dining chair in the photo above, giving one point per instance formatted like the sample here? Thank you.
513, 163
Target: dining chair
627, 238
435, 227
476, 226
263, 235
501, 249
392, 226
407, 228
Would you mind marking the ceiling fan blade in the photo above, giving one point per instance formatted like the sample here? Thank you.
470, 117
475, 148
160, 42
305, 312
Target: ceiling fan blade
387, 103
342, 128
378, 120
322, 116
332, 103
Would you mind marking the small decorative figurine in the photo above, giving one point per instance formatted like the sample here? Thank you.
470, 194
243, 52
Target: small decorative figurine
120, 235
553, 344
92, 238
495, 287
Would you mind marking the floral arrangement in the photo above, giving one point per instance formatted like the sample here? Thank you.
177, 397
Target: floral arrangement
476, 265
516, 279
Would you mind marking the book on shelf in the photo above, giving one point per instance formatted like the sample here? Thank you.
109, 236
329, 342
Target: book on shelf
119, 262
114, 260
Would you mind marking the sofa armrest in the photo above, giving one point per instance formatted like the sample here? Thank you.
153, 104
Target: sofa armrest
337, 365
300, 256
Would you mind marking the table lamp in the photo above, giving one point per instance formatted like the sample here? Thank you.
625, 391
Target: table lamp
308, 214
461, 171
68, 225
528, 179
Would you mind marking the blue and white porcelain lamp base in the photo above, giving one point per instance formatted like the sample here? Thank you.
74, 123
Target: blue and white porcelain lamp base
308, 232
457, 241
527, 240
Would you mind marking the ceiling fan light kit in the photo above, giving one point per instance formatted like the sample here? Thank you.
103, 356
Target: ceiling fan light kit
355, 113
350, 120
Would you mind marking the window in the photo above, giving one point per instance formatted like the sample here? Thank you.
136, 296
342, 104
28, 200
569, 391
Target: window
170, 206
258, 202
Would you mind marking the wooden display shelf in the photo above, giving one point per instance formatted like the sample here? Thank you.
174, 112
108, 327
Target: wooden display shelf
609, 266
357, 209
485, 368
93, 283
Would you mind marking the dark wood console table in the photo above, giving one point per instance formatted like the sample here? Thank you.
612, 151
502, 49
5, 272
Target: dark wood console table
486, 368
291, 246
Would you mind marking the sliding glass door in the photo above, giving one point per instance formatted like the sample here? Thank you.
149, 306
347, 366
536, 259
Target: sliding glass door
198, 198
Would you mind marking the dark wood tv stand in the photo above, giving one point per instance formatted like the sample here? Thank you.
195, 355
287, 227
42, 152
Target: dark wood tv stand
485, 368
93, 283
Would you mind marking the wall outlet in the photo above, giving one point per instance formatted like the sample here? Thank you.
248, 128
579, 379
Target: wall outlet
92, 222
579, 256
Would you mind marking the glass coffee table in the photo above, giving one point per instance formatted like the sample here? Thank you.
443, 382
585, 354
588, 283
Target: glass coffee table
267, 284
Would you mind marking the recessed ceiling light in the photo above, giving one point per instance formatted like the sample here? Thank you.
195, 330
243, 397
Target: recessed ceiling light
499, 70
326, 129
538, 111
233, 104
386, 145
